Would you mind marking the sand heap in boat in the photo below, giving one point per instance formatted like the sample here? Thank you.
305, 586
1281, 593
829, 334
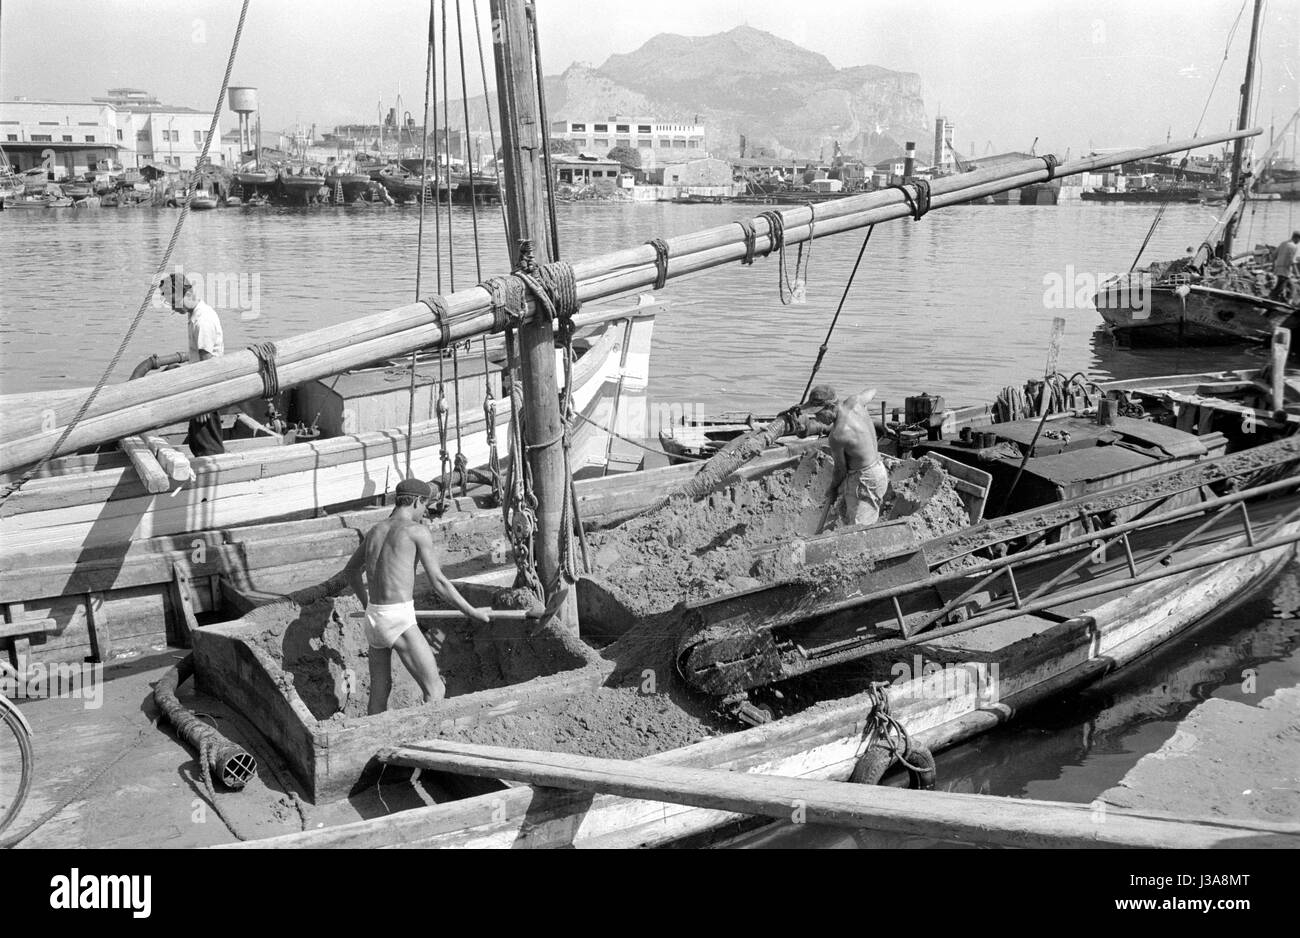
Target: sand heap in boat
693, 551
682, 551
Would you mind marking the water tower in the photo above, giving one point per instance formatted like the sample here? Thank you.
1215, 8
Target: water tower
243, 101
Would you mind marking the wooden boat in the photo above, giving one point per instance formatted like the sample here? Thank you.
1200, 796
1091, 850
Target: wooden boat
301, 182
1096, 616
344, 445
1214, 296
232, 667
202, 199
354, 185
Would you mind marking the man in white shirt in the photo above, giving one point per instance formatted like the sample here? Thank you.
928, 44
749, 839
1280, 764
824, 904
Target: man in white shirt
206, 342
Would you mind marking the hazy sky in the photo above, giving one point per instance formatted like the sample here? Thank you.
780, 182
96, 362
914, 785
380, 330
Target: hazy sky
1073, 72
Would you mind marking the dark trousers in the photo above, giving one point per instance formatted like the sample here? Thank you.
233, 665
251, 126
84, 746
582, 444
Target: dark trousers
204, 438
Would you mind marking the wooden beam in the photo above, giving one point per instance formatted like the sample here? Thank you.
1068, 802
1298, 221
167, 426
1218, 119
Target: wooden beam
944, 815
146, 465
524, 193
175, 463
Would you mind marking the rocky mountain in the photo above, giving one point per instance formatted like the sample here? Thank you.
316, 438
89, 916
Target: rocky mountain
782, 97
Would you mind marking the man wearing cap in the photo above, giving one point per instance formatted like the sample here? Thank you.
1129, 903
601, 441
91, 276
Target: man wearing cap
860, 476
206, 342
1284, 263
387, 556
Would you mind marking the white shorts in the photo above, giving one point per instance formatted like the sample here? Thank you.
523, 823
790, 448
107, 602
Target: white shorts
864, 492
385, 624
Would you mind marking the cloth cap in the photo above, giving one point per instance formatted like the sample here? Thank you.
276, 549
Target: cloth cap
819, 397
415, 487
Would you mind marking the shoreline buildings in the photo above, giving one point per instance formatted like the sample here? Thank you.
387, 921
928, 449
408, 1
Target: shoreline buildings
128, 125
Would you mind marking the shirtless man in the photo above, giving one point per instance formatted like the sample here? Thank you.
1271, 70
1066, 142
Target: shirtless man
860, 476
387, 557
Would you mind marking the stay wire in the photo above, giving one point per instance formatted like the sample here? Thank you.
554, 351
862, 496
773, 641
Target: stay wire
492, 132
826, 343
419, 238
158, 274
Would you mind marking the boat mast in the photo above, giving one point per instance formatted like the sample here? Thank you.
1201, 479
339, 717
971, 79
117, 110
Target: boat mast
1243, 122
526, 211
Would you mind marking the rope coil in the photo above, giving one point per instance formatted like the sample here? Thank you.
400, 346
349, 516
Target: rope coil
751, 238
661, 261
555, 288
266, 367
919, 204
438, 306
1049, 161
506, 295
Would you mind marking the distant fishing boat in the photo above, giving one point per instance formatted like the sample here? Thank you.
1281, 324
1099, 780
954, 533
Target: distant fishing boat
301, 181
1213, 296
202, 199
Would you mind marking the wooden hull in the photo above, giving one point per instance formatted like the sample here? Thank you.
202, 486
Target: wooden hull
826, 742
1188, 315
108, 504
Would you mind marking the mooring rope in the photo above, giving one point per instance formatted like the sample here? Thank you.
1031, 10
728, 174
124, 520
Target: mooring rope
158, 275
751, 238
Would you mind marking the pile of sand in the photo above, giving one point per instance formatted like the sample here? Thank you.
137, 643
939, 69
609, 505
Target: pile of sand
688, 551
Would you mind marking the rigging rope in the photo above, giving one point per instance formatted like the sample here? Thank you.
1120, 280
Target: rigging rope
440, 310
492, 131
158, 275
489, 399
546, 135
821, 352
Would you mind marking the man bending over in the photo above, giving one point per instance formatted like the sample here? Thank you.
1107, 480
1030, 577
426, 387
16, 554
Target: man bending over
860, 476
387, 557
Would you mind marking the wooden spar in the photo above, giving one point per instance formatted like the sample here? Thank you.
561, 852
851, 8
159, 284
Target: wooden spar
168, 397
944, 815
1243, 121
524, 193
146, 465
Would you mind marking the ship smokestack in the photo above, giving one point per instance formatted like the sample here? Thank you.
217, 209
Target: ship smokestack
909, 161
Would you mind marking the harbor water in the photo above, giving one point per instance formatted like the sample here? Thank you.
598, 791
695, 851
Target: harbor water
959, 304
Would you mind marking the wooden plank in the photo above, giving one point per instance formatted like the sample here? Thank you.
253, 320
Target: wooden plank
183, 607
945, 815
146, 464
20, 627
175, 463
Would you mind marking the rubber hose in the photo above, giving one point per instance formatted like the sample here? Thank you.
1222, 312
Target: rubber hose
233, 765
155, 361
875, 762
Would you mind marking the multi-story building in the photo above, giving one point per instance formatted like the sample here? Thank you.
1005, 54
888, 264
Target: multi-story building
659, 142
161, 133
128, 125
68, 138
